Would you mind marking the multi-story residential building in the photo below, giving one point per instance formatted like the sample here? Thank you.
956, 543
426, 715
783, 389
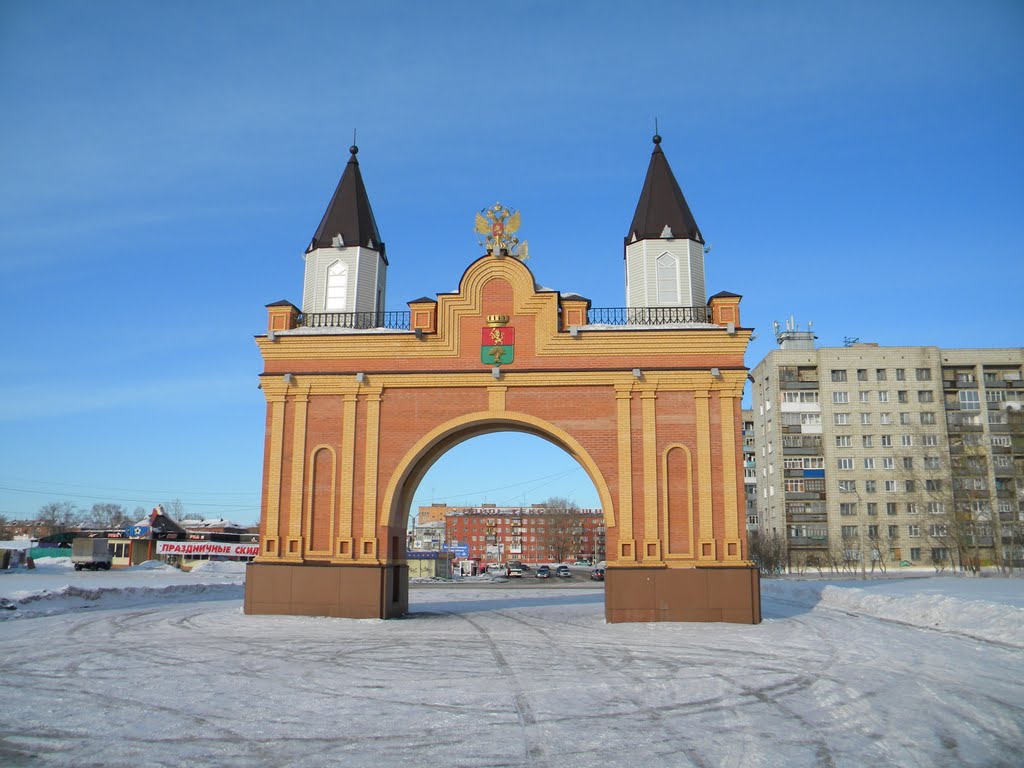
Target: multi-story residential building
750, 471
534, 534
870, 455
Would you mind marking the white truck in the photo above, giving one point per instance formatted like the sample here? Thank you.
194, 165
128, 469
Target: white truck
92, 554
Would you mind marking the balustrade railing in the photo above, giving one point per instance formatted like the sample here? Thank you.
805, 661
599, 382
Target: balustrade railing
646, 315
397, 321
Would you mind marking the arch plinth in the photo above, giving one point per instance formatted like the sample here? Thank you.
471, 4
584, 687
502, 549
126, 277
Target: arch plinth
651, 413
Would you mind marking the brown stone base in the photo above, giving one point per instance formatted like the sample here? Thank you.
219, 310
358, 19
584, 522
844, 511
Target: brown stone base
344, 591
731, 594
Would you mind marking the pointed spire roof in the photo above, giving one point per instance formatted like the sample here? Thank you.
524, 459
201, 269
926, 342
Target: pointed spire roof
662, 205
349, 214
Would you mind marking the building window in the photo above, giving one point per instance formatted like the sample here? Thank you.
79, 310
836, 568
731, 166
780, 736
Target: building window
870, 486
845, 463
938, 530
883, 396
840, 397
842, 441
923, 374
903, 396
931, 462
901, 374
866, 440
885, 418
890, 486
848, 531
905, 419
927, 417
914, 531
888, 462
908, 486
847, 486
930, 441
907, 441
848, 508
936, 508
880, 374
862, 374
915, 553
668, 279
838, 375
970, 400
872, 509
337, 287
933, 485
911, 507
887, 441
865, 397
872, 531
925, 396
842, 419
865, 419
869, 463
890, 508
894, 531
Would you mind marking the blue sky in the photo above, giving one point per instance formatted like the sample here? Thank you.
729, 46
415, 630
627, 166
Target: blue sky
853, 164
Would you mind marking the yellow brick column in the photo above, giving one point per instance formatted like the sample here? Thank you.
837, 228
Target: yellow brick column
272, 542
706, 542
370, 444
624, 428
346, 481
296, 544
652, 542
733, 550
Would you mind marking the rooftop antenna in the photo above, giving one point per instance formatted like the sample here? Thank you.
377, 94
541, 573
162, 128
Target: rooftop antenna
849, 341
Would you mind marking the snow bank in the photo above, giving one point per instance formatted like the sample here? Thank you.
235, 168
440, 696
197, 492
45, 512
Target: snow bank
943, 604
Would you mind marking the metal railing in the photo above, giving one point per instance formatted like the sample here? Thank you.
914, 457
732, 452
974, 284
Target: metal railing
398, 321
646, 315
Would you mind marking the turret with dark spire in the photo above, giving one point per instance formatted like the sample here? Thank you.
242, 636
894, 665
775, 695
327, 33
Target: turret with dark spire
346, 263
664, 250
349, 215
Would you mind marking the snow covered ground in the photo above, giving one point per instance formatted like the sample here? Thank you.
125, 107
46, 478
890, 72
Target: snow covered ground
150, 666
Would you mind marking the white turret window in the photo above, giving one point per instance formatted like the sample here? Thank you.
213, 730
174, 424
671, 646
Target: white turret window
337, 288
668, 279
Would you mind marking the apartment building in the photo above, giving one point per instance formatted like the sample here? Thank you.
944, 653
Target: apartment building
534, 534
872, 456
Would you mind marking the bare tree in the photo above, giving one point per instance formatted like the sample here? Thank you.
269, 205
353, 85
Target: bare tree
59, 516
107, 515
174, 509
767, 552
563, 528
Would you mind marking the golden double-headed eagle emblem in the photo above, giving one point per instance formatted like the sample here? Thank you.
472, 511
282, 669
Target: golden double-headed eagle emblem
496, 227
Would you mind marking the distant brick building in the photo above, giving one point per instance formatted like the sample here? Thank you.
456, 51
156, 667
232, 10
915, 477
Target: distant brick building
530, 534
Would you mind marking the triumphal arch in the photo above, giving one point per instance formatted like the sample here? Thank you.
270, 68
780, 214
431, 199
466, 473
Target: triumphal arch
361, 403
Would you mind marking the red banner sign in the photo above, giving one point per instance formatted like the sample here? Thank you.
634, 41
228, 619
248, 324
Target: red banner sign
207, 548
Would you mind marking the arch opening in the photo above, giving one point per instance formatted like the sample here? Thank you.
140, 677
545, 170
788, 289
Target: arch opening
492, 501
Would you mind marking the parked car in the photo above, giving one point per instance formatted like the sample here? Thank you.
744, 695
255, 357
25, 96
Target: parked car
563, 570
544, 572
597, 574
582, 562
514, 571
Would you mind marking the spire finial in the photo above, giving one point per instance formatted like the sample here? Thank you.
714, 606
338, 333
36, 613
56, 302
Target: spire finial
657, 137
354, 149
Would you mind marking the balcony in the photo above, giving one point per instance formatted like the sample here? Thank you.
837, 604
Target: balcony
808, 541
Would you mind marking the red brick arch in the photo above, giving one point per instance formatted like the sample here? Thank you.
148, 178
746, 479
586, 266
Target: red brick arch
651, 413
